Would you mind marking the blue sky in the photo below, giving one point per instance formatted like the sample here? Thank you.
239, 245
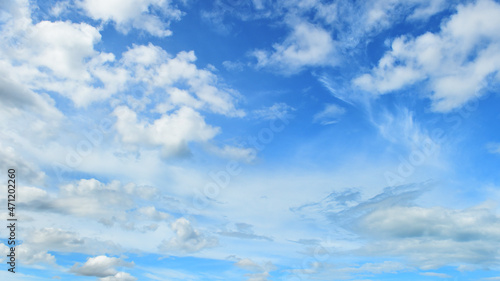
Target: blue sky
252, 139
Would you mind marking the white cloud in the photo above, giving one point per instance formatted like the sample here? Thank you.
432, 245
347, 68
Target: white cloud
435, 274
354, 23
120, 276
434, 237
407, 222
109, 204
101, 266
458, 61
60, 57
153, 214
55, 239
276, 111
30, 193
338, 91
32, 256
172, 132
179, 77
248, 264
64, 47
10, 159
56, 56
186, 239
383, 13
17, 96
310, 43
392, 226
134, 14
91, 198
59, 8
21, 106
307, 45
403, 128
4, 251
427, 8
329, 115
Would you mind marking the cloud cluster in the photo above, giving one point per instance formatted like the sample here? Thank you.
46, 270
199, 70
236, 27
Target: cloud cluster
109, 204
48, 61
179, 81
430, 237
436, 237
56, 57
39, 246
181, 90
458, 61
186, 239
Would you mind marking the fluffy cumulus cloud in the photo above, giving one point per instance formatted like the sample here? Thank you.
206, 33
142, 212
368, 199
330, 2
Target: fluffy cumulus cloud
139, 14
186, 239
56, 57
104, 267
48, 61
179, 81
171, 132
307, 45
455, 63
182, 90
152, 213
61, 57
